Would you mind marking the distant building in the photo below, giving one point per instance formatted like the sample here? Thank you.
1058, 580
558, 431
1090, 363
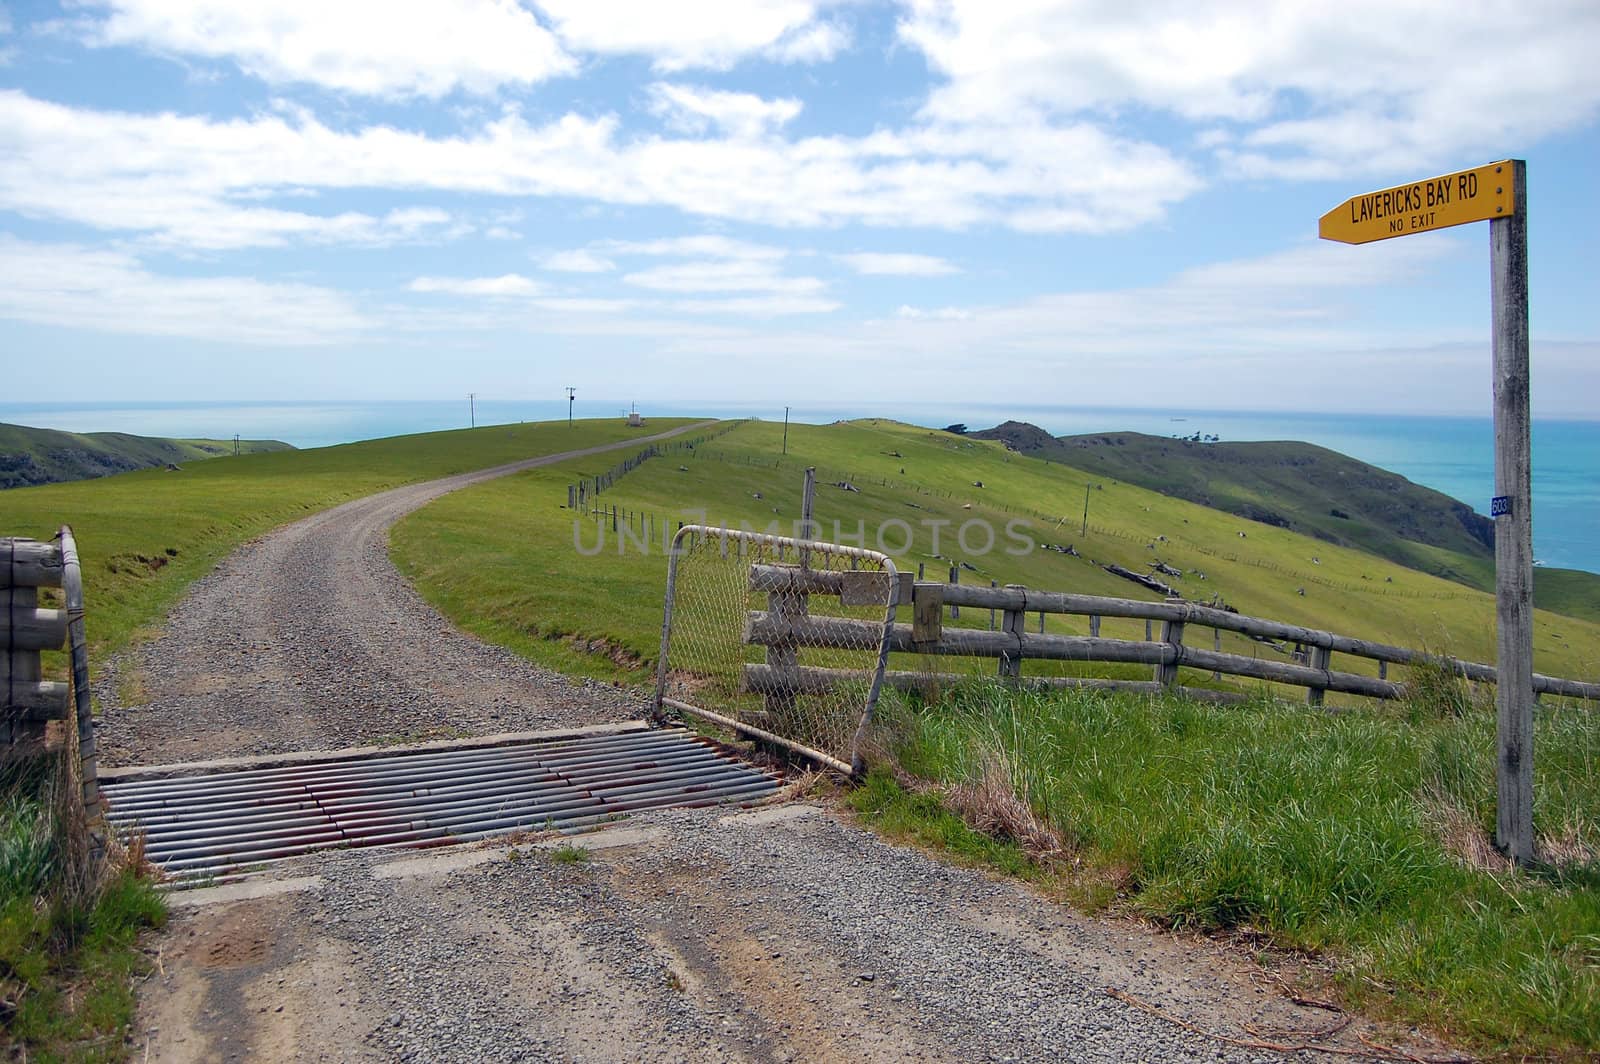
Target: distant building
635, 419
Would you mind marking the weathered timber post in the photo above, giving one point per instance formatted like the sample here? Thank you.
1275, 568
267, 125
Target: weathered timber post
1172, 635
788, 606
1320, 657
28, 702
1496, 193
927, 613
1512, 510
1216, 645
1094, 624
992, 584
955, 578
1015, 621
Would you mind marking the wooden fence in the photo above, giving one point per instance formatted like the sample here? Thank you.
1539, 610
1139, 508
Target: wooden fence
1012, 644
582, 494
28, 702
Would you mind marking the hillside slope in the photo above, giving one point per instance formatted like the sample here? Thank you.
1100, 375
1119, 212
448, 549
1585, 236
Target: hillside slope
30, 456
931, 499
1311, 490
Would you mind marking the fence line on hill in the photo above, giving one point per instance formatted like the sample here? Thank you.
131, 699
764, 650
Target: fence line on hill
581, 494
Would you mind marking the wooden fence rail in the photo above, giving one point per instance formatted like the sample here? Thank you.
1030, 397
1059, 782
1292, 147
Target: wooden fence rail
1012, 643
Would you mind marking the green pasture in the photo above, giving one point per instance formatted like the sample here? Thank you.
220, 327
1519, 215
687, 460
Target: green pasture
507, 560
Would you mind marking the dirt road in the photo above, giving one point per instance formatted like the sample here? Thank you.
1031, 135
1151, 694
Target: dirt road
784, 933
307, 638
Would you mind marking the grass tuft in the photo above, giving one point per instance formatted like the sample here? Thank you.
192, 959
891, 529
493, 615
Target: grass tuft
569, 853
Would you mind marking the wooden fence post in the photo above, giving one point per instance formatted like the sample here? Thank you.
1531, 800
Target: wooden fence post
1094, 625
27, 701
1171, 634
992, 585
1015, 621
1320, 657
955, 578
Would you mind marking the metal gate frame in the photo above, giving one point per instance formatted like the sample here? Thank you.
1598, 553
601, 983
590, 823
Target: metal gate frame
857, 766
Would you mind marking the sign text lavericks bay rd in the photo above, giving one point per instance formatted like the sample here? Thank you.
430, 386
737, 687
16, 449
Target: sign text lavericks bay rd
1474, 195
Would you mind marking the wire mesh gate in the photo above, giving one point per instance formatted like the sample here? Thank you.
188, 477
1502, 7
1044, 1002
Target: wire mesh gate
742, 638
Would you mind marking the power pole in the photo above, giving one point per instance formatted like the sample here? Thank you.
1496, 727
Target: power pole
472, 407
785, 430
1085, 508
571, 394
236, 445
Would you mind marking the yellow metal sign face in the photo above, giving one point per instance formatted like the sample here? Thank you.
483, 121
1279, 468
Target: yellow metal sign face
1436, 203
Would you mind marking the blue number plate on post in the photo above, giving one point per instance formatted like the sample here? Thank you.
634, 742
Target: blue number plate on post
1500, 506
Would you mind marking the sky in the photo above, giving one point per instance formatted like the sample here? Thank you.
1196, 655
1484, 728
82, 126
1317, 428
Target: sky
1093, 203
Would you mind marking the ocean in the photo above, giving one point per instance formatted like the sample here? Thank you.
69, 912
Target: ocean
1454, 455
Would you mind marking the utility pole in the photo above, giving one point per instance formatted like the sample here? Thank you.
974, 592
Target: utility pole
1085, 508
785, 430
472, 407
236, 445
571, 394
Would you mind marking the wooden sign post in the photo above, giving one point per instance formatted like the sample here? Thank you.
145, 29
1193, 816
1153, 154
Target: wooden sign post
1497, 193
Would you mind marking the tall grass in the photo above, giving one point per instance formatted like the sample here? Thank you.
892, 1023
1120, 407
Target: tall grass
1360, 836
67, 925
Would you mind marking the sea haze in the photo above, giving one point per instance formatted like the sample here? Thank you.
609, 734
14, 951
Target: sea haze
1451, 454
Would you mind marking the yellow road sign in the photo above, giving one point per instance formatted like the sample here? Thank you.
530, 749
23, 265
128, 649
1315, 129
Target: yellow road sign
1436, 203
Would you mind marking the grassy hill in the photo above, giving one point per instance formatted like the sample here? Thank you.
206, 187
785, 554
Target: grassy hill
1311, 490
472, 553
30, 456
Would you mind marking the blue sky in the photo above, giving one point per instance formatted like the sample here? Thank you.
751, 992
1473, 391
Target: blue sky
1080, 203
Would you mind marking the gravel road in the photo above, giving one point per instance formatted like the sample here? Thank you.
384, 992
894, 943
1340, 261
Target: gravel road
307, 638
780, 934
785, 933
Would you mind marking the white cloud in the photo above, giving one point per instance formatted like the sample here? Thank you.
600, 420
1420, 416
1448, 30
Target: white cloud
887, 264
84, 288
1324, 90
359, 46
682, 36
510, 284
817, 42
175, 175
578, 260
741, 114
